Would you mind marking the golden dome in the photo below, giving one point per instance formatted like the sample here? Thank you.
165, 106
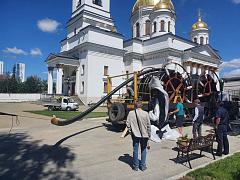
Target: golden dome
164, 4
144, 3
199, 25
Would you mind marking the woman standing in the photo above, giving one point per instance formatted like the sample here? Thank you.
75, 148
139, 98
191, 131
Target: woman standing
179, 111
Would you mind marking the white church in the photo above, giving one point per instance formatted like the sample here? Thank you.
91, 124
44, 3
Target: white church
94, 49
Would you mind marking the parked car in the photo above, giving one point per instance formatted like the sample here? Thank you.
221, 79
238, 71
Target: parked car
63, 103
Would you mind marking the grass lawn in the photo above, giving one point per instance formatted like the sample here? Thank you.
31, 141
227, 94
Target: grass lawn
226, 169
68, 114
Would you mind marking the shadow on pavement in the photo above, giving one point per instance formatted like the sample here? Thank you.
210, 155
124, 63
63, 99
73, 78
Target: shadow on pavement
126, 158
183, 160
22, 158
75, 134
114, 128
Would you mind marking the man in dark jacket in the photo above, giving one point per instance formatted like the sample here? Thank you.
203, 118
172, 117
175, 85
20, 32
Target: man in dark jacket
198, 119
222, 123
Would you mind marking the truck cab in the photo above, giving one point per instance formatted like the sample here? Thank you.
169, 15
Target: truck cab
68, 104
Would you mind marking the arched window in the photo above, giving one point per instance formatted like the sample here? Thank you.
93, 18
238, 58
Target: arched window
195, 40
137, 30
162, 29
97, 2
206, 40
155, 26
169, 26
201, 40
148, 27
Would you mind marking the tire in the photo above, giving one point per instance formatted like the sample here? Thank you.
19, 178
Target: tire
50, 108
68, 109
116, 112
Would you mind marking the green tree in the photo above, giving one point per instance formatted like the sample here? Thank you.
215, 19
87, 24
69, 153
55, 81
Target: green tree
3, 83
44, 86
9, 84
13, 85
33, 84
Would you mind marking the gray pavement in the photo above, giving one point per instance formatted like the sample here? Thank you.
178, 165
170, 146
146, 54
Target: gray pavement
90, 149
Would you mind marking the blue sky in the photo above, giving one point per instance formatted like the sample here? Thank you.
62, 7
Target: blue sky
30, 30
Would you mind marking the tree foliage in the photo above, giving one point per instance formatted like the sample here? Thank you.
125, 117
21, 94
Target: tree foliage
33, 84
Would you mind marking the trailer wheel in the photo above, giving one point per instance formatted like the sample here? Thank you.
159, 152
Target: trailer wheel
116, 112
50, 108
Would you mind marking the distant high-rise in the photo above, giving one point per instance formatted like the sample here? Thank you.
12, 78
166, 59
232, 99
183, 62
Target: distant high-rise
20, 72
1, 67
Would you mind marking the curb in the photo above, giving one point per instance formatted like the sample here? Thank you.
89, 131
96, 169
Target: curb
176, 177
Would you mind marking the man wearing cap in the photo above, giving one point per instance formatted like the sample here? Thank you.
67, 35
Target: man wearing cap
198, 119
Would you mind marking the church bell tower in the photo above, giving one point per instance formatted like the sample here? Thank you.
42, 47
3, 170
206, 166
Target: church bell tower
200, 31
101, 5
90, 12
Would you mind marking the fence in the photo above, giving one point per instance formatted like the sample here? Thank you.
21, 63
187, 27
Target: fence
12, 97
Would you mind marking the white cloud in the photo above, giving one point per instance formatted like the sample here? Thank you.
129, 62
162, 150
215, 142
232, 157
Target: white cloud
236, 1
36, 52
235, 63
15, 50
48, 25
233, 73
231, 68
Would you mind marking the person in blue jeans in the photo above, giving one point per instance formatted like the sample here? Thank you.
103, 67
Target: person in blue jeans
179, 111
222, 123
198, 119
138, 123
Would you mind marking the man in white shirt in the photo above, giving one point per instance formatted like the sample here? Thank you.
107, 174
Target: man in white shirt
198, 119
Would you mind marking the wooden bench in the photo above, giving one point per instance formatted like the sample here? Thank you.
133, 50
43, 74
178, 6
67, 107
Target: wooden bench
200, 143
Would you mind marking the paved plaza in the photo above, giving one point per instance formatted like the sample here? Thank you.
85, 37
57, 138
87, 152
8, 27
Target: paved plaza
90, 149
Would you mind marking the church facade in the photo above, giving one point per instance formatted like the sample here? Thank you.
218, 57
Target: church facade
94, 49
